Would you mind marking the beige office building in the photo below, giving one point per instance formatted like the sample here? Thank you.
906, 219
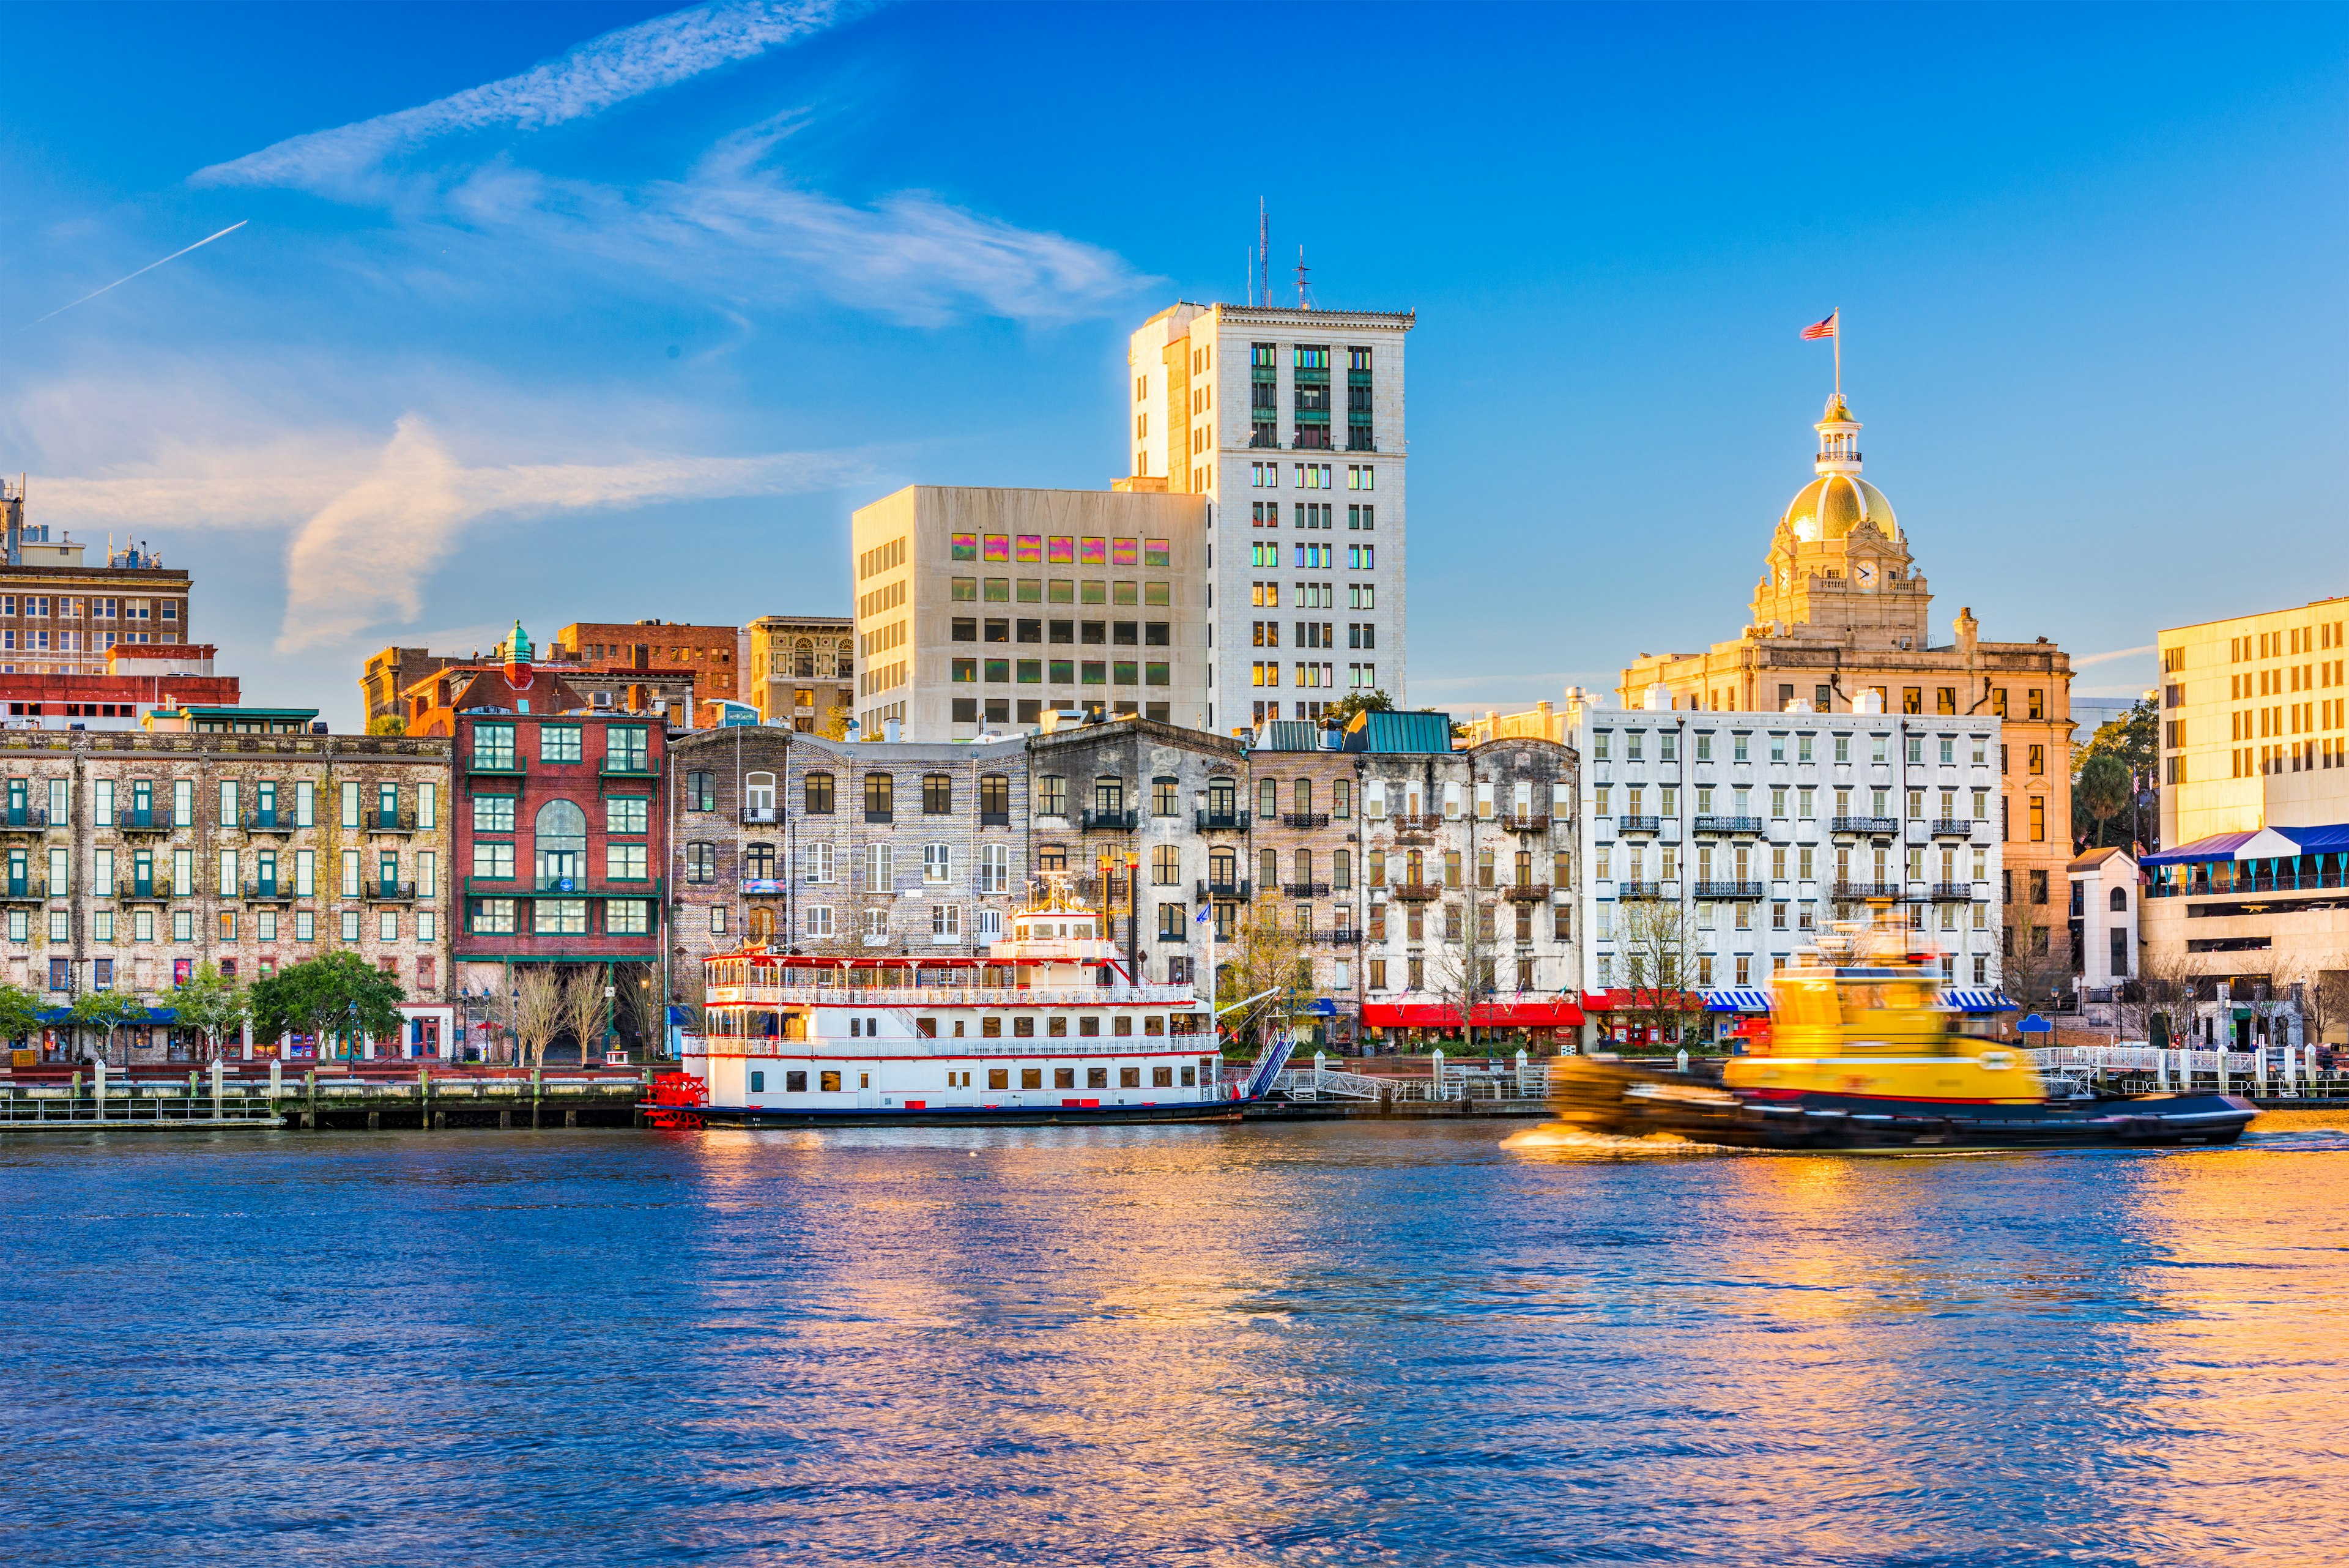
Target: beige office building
2255, 723
977, 609
1841, 615
801, 669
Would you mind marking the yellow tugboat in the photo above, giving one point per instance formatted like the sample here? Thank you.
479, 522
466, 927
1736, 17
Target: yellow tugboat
1861, 1054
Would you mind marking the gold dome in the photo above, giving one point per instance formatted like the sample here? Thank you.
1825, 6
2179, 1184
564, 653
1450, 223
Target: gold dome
1837, 410
1831, 506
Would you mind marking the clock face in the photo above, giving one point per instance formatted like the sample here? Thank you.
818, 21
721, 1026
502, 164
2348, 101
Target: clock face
1866, 576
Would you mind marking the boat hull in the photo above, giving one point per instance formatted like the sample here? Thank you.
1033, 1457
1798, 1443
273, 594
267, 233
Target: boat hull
1626, 1101
957, 1116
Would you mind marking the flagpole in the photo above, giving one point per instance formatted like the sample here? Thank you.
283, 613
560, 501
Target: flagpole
1838, 349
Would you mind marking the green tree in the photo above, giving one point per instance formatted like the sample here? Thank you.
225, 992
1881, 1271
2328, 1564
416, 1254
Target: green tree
105, 1012
1341, 712
1263, 956
338, 996
21, 1012
2103, 791
2133, 742
211, 1003
387, 724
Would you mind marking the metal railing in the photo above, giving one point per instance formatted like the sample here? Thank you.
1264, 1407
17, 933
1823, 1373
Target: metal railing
1415, 892
1953, 892
1640, 824
1093, 821
496, 762
1511, 822
23, 818
1952, 828
389, 892
377, 820
155, 820
626, 765
1731, 892
256, 820
24, 889
900, 997
1219, 821
760, 815
272, 891
1873, 826
1305, 890
1238, 889
1740, 826
1305, 819
150, 889
1851, 890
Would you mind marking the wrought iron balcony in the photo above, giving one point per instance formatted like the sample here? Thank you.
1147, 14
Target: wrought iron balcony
1865, 827
1415, 892
1536, 822
1093, 821
23, 819
1953, 892
1732, 827
1305, 890
1639, 892
1952, 828
1232, 889
760, 815
148, 887
271, 821
1851, 891
24, 889
1539, 892
389, 892
1641, 824
1305, 819
1219, 821
155, 820
267, 890
380, 821
1729, 892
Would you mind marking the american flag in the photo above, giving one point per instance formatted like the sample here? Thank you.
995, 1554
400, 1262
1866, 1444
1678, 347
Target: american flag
1821, 328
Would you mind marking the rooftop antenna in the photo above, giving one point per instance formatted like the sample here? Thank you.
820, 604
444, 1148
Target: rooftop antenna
1303, 301
1262, 254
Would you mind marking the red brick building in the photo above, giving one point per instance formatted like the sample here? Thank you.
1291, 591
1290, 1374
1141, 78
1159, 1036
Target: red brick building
709, 651
559, 833
140, 678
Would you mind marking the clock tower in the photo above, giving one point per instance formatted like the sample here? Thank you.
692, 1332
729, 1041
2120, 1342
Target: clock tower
1838, 569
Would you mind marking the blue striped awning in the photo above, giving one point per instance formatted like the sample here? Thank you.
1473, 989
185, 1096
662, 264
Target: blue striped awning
1976, 1001
1737, 1000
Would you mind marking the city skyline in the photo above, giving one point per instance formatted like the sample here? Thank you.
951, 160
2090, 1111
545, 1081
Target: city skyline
524, 294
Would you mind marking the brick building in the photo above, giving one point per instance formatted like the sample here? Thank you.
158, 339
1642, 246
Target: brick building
140, 679
130, 859
561, 832
59, 616
392, 671
709, 651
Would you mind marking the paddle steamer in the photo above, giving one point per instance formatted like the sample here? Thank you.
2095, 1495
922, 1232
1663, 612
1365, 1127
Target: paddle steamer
1050, 1025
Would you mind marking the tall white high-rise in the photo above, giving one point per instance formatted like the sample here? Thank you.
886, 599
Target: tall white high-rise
1290, 422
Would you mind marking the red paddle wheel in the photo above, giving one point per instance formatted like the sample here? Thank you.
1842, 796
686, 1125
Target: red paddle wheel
675, 1098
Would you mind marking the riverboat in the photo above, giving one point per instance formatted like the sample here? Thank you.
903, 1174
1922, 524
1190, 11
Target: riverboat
1050, 1026
1861, 1054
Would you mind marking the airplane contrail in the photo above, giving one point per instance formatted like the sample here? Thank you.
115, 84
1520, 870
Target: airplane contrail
150, 266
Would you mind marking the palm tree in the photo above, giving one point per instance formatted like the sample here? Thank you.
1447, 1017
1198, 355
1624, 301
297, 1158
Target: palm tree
2105, 787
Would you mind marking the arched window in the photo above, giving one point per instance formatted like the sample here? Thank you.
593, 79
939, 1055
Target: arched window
1223, 868
1165, 866
1109, 792
1166, 796
1416, 868
758, 792
560, 831
804, 658
762, 925
1303, 794
2120, 898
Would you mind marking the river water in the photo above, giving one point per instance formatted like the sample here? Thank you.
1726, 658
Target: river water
1351, 1343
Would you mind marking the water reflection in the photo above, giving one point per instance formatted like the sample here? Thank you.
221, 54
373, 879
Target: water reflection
1350, 1344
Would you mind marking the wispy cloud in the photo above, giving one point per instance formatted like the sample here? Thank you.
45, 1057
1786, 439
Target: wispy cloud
2083, 661
735, 227
369, 524
347, 162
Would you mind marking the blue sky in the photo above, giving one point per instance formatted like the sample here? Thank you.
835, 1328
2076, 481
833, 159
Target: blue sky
588, 313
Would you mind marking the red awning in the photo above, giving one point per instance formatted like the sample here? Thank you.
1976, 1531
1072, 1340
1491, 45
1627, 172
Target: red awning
1623, 1000
1535, 1012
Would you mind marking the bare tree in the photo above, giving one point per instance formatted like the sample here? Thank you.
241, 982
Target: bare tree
585, 1010
1263, 956
641, 1004
1659, 946
2163, 986
2031, 965
538, 1011
1463, 968
2324, 996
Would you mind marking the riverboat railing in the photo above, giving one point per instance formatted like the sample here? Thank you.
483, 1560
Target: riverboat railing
950, 996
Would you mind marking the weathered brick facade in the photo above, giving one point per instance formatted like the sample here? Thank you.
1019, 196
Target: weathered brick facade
131, 858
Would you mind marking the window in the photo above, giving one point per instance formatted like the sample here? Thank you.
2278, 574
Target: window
493, 814
877, 872
880, 797
560, 744
561, 830
1052, 795
701, 791
937, 794
626, 749
560, 916
628, 813
624, 862
994, 798
937, 863
994, 868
